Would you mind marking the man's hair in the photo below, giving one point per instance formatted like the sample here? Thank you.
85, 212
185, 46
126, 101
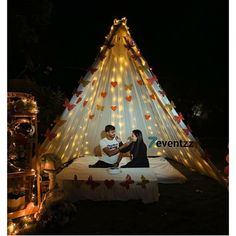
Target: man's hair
109, 128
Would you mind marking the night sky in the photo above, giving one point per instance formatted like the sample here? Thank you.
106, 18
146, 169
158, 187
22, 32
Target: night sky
184, 42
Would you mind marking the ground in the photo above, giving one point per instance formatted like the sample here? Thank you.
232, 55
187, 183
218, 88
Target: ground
199, 206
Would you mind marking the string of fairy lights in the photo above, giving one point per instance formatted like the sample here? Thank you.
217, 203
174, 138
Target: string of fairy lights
91, 105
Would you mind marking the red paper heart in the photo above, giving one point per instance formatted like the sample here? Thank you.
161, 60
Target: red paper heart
153, 96
113, 108
128, 98
140, 82
114, 83
147, 117
103, 94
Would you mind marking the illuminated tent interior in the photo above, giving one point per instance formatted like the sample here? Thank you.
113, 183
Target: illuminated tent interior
121, 89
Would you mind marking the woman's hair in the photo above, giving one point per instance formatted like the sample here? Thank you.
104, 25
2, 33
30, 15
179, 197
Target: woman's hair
135, 146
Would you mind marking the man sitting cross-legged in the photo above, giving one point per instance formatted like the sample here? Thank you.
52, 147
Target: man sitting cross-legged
110, 146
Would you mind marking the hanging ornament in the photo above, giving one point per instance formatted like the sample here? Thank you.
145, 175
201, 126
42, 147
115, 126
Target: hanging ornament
179, 118
152, 79
68, 105
140, 82
143, 182
78, 100
113, 83
147, 117
50, 135
129, 98
84, 82
128, 87
113, 108
170, 106
85, 103
153, 96
103, 94
99, 107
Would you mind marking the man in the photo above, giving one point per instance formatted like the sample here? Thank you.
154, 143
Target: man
110, 149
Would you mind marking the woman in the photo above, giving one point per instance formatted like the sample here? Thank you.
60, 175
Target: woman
138, 150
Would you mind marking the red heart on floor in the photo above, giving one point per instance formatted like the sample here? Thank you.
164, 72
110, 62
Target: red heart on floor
147, 117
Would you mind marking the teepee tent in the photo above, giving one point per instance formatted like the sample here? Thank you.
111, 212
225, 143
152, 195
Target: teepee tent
121, 89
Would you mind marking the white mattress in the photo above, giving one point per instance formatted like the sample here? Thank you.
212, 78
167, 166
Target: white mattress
163, 170
73, 180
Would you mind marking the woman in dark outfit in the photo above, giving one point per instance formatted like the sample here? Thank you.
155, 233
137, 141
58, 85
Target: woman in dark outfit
138, 151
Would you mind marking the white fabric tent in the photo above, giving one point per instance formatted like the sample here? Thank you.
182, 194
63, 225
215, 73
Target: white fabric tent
121, 89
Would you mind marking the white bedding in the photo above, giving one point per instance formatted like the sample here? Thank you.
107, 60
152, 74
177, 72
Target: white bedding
80, 182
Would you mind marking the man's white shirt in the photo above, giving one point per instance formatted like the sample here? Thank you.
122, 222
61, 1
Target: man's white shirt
110, 144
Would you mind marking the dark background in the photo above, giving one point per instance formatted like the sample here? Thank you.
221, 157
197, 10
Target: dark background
185, 43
